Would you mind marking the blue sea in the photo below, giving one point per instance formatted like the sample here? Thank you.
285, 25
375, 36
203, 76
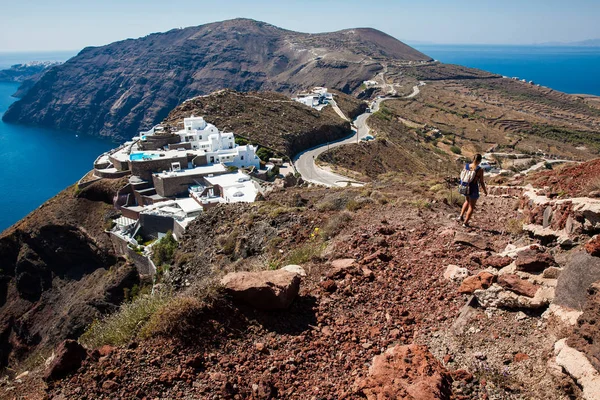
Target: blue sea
567, 69
38, 163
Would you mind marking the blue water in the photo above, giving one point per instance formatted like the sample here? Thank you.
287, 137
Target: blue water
142, 156
36, 164
568, 69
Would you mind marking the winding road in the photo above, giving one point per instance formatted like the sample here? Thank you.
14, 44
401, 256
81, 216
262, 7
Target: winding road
305, 162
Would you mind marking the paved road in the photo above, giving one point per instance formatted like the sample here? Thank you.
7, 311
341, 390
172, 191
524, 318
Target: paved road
305, 162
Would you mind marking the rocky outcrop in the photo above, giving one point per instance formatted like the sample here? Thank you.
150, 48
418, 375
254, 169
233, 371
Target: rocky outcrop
67, 358
118, 89
266, 290
534, 260
586, 335
482, 280
406, 372
54, 279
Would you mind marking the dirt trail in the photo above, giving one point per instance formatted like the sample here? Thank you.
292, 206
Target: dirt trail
326, 341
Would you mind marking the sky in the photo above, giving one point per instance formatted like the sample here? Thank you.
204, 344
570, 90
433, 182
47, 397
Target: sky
48, 25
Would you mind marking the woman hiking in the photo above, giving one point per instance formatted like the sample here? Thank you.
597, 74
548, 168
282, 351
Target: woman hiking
471, 179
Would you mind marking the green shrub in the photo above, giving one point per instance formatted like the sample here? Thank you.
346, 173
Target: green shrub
304, 253
122, 326
264, 154
163, 250
455, 149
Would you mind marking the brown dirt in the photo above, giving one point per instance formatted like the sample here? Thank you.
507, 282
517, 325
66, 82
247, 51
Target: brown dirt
326, 340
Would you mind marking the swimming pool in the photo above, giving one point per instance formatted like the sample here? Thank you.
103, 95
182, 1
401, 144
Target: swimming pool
142, 156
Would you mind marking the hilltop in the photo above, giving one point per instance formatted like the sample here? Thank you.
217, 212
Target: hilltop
270, 119
121, 88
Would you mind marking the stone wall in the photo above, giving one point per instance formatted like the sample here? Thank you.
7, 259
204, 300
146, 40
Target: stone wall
111, 175
184, 145
157, 142
143, 264
573, 216
144, 169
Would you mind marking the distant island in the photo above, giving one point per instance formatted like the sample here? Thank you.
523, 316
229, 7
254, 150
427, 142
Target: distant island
21, 72
582, 43
26, 74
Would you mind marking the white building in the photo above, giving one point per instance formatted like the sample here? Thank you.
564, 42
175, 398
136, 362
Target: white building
219, 147
235, 188
318, 96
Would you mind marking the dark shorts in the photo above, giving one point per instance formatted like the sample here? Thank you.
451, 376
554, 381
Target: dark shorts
473, 191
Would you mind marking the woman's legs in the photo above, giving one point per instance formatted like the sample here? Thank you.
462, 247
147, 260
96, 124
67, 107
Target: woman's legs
471, 207
464, 208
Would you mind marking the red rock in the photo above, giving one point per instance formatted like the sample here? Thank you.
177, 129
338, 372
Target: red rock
105, 350
472, 239
260, 347
497, 261
328, 285
267, 290
379, 254
593, 246
521, 357
462, 375
110, 385
516, 284
367, 273
194, 361
482, 280
533, 260
405, 372
340, 267
68, 357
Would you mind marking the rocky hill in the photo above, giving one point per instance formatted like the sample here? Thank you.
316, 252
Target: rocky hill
269, 119
55, 277
117, 89
394, 299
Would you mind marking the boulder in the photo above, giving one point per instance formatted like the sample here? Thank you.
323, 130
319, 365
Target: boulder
579, 368
533, 260
472, 239
405, 372
593, 246
515, 284
579, 272
68, 357
482, 280
497, 261
455, 273
340, 267
498, 297
586, 335
296, 269
265, 290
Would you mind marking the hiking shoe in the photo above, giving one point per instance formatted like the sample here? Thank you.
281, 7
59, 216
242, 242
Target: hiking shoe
466, 225
460, 218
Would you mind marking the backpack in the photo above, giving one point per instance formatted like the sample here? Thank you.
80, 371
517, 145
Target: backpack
466, 177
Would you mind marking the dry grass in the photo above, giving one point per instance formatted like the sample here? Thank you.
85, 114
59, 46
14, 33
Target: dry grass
176, 319
119, 328
335, 224
514, 226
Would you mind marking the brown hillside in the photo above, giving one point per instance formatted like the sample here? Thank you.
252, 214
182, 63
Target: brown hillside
269, 119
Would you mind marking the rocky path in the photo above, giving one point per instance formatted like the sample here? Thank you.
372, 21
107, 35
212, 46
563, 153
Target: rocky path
390, 291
